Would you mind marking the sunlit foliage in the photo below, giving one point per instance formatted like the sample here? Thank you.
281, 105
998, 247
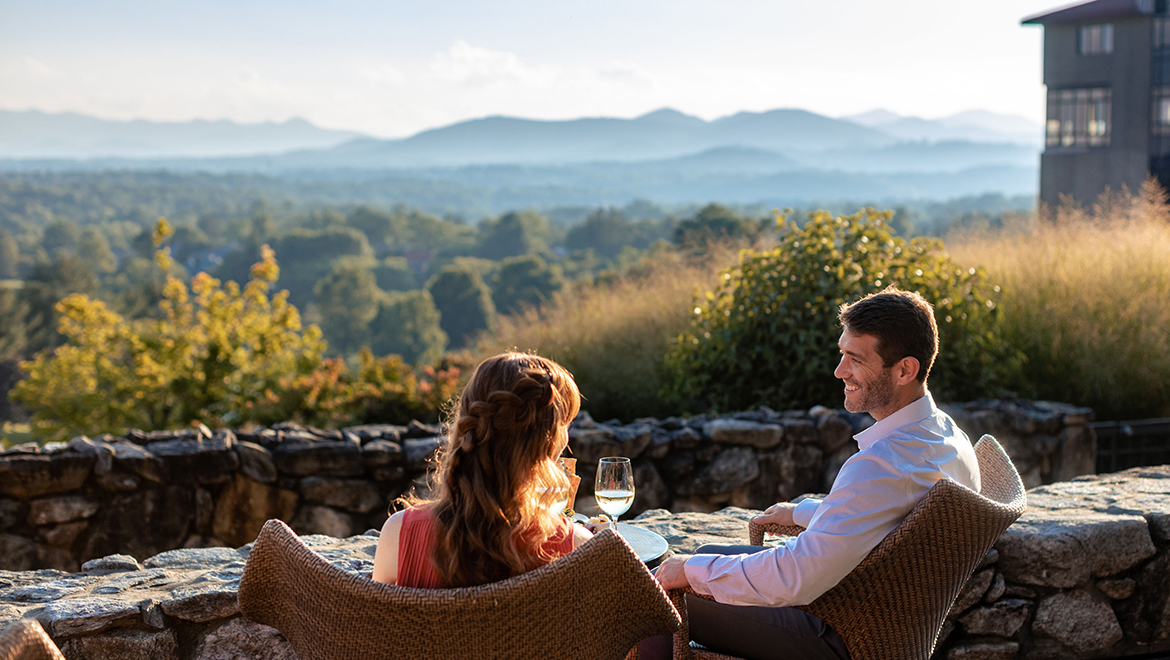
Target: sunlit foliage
767, 333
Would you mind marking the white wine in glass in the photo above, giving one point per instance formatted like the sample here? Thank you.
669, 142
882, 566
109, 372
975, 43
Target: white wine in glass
614, 489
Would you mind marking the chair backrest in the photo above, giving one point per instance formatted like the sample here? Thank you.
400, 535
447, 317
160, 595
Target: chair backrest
594, 603
892, 606
25, 639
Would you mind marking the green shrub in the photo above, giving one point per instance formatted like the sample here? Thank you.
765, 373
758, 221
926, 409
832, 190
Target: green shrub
215, 354
767, 334
377, 390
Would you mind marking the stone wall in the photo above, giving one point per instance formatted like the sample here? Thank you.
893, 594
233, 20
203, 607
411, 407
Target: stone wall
177, 604
144, 493
1084, 574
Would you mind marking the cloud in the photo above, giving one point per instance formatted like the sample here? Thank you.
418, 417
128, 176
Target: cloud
39, 68
382, 73
468, 64
626, 72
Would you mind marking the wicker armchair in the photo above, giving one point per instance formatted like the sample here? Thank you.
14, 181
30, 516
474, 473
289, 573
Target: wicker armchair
25, 639
892, 606
594, 603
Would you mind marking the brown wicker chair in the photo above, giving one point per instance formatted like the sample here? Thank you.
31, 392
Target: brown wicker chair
594, 603
25, 639
892, 606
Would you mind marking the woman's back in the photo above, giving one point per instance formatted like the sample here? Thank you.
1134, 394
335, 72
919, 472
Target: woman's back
494, 511
416, 542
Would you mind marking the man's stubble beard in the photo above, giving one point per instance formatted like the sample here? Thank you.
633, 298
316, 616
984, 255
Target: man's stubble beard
876, 394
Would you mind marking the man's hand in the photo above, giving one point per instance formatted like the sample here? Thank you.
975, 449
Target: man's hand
671, 574
779, 513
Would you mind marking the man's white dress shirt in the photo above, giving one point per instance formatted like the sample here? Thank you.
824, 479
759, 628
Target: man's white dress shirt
900, 458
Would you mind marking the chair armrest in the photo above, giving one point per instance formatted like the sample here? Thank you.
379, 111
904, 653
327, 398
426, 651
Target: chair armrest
682, 637
756, 531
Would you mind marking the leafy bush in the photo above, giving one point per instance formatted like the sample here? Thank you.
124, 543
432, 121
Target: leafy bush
1087, 299
218, 355
767, 334
383, 389
210, 358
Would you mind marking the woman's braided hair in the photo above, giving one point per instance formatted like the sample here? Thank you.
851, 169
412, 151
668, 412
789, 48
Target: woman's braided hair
497, 477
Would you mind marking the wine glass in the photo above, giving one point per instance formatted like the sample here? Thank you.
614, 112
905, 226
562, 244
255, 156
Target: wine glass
614, 489
562, 503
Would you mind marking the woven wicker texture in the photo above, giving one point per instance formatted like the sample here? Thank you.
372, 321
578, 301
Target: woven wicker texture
25, 639
892, 606
594, 603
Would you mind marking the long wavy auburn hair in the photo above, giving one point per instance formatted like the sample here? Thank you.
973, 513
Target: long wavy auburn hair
497, 479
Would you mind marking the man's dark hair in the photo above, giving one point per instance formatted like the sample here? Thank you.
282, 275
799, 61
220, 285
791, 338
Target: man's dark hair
903, 323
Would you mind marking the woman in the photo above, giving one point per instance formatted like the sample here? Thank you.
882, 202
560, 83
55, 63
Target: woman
498, 483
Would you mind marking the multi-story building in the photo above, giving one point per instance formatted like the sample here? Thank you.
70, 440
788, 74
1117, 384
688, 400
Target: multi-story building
1107, 70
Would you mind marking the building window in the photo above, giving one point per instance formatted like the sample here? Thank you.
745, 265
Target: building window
1161, 32
1078, 117
1095, 39
1161, 122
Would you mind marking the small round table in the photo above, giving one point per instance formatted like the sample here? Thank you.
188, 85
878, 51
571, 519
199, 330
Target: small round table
649, 546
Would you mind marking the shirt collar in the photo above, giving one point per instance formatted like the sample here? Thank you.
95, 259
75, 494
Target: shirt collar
916, 411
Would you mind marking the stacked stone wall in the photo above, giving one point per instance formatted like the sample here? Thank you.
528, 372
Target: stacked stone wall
145, 493
1084, 574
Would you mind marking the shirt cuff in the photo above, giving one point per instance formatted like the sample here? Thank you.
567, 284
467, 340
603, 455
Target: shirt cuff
803, 514
697, 570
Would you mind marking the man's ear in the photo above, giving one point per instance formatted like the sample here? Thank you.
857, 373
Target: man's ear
906, 370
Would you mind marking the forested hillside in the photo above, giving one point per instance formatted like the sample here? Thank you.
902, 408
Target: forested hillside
395, 278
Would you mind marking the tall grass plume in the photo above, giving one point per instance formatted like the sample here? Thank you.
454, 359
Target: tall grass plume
1087, 299
613, 335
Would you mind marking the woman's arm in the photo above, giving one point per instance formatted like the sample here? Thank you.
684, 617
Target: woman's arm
580, 535
386, 556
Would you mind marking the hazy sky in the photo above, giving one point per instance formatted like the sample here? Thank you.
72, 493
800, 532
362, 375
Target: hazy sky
392, 68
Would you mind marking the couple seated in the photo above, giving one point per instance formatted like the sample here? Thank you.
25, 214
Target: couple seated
493, 514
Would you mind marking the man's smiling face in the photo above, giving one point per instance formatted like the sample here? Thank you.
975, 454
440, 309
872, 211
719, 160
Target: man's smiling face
868, 385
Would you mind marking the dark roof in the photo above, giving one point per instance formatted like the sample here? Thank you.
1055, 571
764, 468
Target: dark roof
1096, 10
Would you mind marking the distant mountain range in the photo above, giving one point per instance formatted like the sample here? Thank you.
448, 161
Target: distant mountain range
657, 135
668, 156
35, 134
972, 126
665, 133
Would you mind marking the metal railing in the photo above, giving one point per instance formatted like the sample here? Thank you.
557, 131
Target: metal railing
1122, 445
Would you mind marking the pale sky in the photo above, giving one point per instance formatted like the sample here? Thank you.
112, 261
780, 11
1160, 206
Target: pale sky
392, 68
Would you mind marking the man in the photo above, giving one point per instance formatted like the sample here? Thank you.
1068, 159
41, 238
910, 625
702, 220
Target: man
888, 345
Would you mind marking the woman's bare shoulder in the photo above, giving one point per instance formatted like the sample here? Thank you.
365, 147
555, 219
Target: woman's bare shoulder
386, 554
580, 535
